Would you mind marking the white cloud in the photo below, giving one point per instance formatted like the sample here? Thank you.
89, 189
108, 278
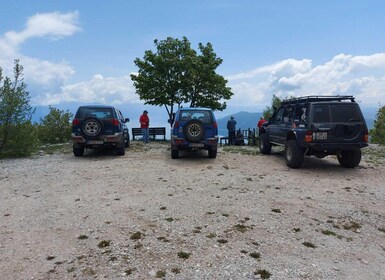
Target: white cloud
51, 25
109, 90
361, 76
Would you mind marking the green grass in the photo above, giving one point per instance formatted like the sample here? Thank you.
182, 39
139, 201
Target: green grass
244, 150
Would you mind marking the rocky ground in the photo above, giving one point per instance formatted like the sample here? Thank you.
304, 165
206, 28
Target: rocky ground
145, 216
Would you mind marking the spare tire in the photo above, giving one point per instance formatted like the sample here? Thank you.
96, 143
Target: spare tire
194, 130
91, 128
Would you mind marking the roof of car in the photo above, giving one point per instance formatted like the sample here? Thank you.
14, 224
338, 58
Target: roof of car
195, 109
96, 106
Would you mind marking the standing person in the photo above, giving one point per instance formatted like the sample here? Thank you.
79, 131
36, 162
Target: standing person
144, 124
261, 122
231, 129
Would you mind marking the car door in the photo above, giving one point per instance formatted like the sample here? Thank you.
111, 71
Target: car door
274, 126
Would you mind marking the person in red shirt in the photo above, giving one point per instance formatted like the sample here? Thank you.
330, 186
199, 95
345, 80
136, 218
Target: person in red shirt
144, 124
261, 122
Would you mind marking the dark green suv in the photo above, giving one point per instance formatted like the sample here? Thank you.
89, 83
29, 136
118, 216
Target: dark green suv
319, 126
99, 126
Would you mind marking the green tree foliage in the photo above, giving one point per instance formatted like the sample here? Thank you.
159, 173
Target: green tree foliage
175, 74
55, 127
17, 134
269, 110
378, 132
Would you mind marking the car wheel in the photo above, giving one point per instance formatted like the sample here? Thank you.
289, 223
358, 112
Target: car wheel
174, 154
212, 153
78, 151
294, 154
349, 159
91, 128
127, 142
194, 130
121, 149
264, 144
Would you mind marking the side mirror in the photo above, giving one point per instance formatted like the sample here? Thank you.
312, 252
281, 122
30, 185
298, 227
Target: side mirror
126, 120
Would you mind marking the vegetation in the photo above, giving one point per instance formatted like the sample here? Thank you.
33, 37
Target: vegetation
269, 110
55, 127
378, 132
18, 136
175, 74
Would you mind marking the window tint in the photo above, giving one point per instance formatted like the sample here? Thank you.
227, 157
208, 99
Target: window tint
279, 116
100, 113
203, 116
321, 114
345, 113
288, 115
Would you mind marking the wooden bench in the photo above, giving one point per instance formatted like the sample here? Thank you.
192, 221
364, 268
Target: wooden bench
152, 132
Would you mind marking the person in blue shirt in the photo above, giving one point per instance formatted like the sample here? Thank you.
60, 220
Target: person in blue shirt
231, 123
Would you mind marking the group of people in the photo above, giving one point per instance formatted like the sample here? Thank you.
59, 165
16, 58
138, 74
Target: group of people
231, 128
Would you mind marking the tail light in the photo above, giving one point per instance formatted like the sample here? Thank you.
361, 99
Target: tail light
115, 122
176, 124
215, 125
75, 122
308, 136
366, 136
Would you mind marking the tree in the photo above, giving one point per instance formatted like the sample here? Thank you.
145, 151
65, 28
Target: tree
378, 132
55, 127
175, 74
17, 134
269, 110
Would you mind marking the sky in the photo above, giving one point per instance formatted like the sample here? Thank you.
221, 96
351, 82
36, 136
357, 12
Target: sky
83, 51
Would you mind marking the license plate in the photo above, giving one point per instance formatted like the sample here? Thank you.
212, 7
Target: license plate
321, 135
196, 145
95, 142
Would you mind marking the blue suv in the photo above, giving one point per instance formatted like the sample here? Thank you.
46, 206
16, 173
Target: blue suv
99, 126
193, 129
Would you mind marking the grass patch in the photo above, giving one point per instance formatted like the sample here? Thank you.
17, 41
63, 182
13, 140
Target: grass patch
136, 236
211, 235
255, 255
263, 273
309, 244
382, 229
276, 210
169, 219
183, 255
63, 148
104, 243
352, 226
329, 232
222, 241
82, 237
175, 270
242, 228
243, 150
160, 274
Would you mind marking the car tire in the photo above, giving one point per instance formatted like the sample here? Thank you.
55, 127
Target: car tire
174, 154
91, 128
212, 153
264, 144
121, 149
127, 142
194, 131
78, 151
349, 159
294, 154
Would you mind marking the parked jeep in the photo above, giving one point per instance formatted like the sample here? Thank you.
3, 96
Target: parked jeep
194, 128
99, 126
319, 126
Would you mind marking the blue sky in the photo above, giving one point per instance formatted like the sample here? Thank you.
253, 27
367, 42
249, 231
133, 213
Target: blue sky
83, 51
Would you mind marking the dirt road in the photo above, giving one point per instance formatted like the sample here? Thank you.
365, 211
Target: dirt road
145, 216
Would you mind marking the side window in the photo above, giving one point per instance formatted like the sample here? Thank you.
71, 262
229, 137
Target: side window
279, 116
288, 114
321, 114
300, 113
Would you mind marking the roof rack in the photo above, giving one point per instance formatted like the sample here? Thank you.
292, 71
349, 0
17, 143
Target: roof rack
315, 98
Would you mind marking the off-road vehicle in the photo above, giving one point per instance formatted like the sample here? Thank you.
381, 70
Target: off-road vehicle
194, 128
319, 126
99, 126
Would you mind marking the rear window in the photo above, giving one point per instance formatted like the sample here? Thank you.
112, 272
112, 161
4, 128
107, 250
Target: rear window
100, 113
335, 113
203, 116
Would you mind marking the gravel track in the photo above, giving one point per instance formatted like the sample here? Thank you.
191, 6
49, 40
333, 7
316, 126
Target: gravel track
146, 216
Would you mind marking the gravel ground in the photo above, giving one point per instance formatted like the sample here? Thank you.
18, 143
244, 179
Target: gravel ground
145, 216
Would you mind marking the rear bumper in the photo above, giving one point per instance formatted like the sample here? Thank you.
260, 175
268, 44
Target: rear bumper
182, 144
332, 148
103, 140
